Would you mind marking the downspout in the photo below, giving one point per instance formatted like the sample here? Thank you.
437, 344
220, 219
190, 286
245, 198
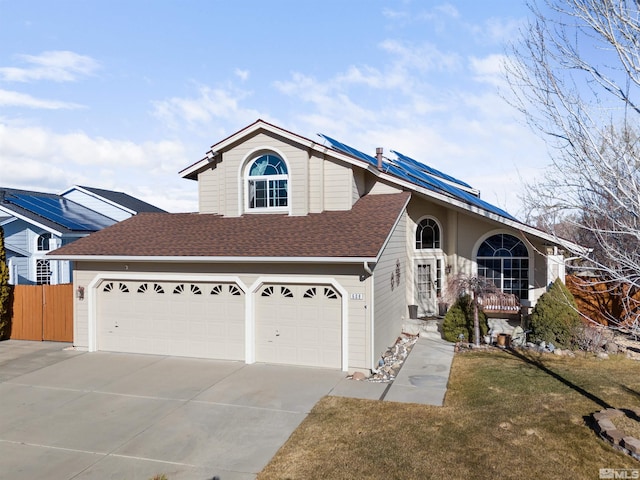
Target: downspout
371, 315
366, 267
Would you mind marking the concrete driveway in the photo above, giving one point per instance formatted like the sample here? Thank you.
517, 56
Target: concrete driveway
71, 415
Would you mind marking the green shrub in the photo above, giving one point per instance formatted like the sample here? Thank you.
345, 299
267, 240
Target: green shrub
459, 320
5, 291
555, 317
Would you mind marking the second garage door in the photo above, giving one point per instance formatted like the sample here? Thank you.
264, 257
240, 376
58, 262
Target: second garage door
299, 325
172, 318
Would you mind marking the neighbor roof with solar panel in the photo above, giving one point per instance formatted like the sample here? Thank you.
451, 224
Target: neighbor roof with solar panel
421, 175
54, 211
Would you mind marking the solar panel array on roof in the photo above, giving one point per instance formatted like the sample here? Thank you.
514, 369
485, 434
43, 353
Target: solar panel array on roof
421, 175
64, 212
404, 159
350, 150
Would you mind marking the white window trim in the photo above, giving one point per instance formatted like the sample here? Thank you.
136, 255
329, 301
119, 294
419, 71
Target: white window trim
530, 254
243, 181
431, 251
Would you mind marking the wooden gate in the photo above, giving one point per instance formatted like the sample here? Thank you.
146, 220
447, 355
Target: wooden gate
43, 312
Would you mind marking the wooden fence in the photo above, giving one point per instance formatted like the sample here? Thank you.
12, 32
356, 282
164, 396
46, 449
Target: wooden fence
43, 312
600, 302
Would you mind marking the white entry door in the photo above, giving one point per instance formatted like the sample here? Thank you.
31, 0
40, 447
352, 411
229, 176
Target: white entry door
428, 279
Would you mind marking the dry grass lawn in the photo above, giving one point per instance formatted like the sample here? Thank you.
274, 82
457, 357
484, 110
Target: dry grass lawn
506, 415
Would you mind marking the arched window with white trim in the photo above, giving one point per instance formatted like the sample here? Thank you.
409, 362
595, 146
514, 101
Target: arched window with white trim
504, 259
44, 242
267, 184
427, 234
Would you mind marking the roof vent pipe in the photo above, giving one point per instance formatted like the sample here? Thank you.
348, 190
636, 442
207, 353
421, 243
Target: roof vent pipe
379, 151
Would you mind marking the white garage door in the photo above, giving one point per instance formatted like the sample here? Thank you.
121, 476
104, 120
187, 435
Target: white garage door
299, 325
172, 318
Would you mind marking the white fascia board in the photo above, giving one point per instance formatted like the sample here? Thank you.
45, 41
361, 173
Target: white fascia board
260, 124
7, 221
203, 259
101, 198
31, 221
484, 213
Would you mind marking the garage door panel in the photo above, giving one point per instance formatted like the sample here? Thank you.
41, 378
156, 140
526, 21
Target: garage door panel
172, 318
298, 324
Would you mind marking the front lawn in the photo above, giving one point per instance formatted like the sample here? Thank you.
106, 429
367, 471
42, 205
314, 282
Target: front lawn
506, 415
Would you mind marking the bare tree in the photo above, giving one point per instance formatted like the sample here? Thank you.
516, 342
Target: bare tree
575, 76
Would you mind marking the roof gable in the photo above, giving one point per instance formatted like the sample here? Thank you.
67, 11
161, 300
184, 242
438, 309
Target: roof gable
132, 204
51, 212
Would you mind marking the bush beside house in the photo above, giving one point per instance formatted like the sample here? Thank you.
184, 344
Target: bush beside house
555, 318
459, 321
5, 290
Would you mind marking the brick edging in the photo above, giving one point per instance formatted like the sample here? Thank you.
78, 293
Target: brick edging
618, 439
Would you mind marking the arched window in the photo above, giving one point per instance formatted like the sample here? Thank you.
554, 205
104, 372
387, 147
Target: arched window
427, 234
44, 242
504, 259
267, 183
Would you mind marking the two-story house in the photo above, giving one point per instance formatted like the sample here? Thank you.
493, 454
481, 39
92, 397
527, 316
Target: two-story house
35, 223
303, 252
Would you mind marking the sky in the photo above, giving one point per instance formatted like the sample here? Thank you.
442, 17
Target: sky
123, 94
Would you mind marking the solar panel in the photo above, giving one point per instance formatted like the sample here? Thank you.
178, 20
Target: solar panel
432, 171
421, 178
61, 211
350, 150
421, 175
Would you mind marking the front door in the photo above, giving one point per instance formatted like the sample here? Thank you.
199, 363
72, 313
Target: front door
427, 286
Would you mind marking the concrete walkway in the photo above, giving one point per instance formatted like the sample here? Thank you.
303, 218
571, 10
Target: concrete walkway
422, 379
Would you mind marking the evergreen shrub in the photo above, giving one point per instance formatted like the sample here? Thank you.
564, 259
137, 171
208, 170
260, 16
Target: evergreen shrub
555, 318
459, 320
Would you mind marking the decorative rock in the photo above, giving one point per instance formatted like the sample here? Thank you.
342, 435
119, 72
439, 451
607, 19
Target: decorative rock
359, 376
613, 412
605, 424
392, 359
603, 355
632, 444
611, 347
614, 436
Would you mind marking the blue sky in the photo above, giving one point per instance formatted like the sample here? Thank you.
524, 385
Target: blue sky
124, 94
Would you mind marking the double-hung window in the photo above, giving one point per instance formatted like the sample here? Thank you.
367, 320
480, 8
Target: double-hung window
268, 184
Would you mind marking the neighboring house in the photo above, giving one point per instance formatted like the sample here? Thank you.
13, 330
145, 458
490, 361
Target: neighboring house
302, 253
36, 223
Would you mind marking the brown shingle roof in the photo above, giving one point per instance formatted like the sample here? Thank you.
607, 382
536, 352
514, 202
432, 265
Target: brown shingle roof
359, 232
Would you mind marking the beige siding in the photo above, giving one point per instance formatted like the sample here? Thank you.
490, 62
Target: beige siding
316, 184
81, 309
337, 186
359, 185
381, 187
209, 190
347, 276
390, 295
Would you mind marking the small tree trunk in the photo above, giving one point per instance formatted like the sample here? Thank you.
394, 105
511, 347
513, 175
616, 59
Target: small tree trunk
476, 322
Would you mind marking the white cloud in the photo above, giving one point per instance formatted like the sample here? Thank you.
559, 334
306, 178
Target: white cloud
242, 74
10, 98
489, 69
496, 31
57, 65
39, 159
211, 107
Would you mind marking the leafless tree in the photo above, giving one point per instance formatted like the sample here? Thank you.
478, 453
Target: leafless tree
575, 76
